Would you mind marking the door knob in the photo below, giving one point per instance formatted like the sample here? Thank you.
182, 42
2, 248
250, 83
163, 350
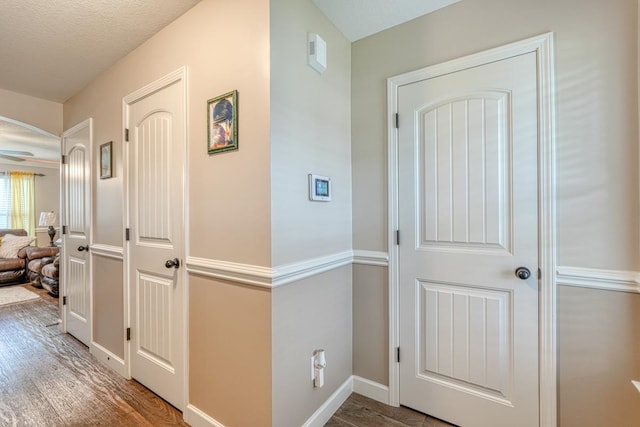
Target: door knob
83, 248
523, 273
175, 263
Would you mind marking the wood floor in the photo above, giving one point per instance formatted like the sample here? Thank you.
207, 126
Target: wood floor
360, 411
50, 379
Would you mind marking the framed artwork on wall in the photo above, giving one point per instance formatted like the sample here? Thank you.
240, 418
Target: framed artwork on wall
222, 123
106, 160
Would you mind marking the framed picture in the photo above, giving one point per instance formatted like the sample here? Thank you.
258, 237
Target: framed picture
105, 160
222, 123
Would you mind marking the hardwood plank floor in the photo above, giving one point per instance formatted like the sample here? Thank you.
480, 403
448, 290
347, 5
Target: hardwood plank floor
50, 379
360, 411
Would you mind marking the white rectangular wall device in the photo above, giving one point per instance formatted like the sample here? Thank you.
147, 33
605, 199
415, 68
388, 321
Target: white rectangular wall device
317, 52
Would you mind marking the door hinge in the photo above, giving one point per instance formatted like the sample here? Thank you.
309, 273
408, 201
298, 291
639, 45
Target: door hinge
539, 274
397, 237
128, 334
63, 159
64, 229
398, 354
397, 120
64, 300
126, 234
126, 135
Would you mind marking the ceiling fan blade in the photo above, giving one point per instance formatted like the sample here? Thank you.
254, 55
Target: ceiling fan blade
16, 153
12, 158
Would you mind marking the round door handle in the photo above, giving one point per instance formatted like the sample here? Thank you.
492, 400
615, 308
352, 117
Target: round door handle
83, 248
523, 273
175, 263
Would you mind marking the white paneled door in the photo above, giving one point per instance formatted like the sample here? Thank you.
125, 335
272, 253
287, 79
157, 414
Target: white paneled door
76, 218
468, 217
156, 163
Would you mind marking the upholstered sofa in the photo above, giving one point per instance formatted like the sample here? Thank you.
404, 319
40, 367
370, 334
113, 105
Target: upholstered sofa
36, 260
12, 270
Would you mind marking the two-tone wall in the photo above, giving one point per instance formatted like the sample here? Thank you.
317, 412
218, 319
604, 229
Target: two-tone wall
269, 273
224, 46
596, 47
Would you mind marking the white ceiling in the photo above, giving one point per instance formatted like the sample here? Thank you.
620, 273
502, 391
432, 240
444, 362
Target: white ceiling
357, 19
51, 49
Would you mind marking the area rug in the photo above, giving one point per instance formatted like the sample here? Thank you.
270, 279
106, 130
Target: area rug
16, 294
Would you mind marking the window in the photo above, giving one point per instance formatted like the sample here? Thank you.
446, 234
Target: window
5, 197
17, 196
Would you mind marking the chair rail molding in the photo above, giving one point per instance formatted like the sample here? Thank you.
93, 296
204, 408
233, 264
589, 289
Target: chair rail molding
108, 251
273, 277
608, 280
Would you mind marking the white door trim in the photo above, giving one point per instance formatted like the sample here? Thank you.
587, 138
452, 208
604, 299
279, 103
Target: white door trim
542, 45
178, 75
62, 291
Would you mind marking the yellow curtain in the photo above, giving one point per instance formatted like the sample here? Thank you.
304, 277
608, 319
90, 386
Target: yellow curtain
23, 201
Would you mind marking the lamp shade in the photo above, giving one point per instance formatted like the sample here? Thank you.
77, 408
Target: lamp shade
47, 219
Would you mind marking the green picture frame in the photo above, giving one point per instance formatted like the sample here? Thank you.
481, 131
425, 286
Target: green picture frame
222, 123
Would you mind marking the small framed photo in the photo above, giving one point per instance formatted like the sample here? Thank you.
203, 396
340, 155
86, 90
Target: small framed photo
106, 161
319, 188
222, 123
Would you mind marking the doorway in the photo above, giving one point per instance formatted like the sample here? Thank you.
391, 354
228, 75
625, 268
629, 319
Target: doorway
459, 146
155, 184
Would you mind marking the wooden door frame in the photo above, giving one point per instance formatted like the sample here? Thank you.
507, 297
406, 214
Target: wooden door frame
542, 46
179, 75
88, 123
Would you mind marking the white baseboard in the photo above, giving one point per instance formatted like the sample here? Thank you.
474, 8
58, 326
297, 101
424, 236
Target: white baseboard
333, 403
109, 359
196, 418
371, 389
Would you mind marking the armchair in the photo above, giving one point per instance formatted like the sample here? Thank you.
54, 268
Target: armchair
35, 257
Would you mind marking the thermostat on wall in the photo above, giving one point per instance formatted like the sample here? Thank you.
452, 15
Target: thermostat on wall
319, 188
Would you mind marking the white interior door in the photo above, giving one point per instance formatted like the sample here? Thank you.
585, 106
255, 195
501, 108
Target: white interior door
468, 217
76, 205
156, 163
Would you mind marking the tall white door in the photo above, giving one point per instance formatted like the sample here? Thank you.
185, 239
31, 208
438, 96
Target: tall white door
156, 163
76, 218
468, 217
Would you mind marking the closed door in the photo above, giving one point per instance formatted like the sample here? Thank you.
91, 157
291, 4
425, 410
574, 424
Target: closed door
75, 271
468, 214
156, 153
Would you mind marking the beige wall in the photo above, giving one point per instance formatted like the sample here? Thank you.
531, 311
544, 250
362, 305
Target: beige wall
225, 46
230, 372
107, 304
599, 338
314, 313
41, 113
224, 226
371, 323
597, 156
310, 133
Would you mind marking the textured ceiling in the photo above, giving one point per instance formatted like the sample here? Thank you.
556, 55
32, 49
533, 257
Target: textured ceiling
357, 19
53, 48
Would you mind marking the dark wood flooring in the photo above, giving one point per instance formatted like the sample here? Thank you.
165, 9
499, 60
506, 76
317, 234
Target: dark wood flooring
360, 411
50, 379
